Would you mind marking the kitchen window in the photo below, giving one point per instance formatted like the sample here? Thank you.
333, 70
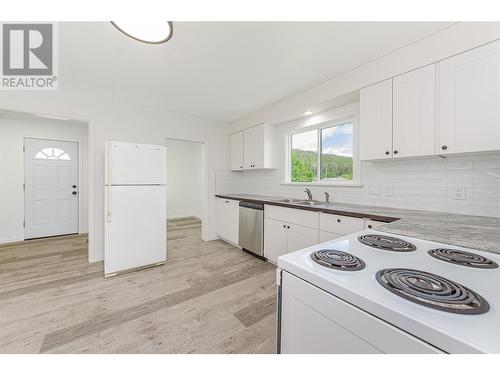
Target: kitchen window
324, 155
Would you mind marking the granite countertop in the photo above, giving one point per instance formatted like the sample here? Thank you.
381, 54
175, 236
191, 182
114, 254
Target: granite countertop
474, 232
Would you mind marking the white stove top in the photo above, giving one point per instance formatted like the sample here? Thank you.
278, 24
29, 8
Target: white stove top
451, 332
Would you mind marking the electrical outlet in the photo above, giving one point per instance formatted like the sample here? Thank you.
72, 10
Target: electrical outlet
386, 189
374, 190
459, 193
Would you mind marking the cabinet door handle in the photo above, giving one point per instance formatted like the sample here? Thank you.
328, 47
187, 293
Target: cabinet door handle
387, 152
444, 147
369, 226
395, 152
338, 220
284, 226
288, 227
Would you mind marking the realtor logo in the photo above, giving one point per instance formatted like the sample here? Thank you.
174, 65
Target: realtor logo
28, 56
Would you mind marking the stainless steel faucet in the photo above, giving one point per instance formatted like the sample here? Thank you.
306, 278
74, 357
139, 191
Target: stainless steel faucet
327, 197
310, 196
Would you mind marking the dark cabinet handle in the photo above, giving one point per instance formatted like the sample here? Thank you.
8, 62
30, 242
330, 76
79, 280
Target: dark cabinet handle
395, 152
287, 227
338, 220
74, 186
74, 193
387, 152
284, 226
369, 226
444, 147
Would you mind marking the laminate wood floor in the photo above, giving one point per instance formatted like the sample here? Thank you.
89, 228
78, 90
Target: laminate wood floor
210, 297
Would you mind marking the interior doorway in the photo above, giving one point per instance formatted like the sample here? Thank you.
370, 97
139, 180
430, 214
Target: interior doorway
51, 183
185, 184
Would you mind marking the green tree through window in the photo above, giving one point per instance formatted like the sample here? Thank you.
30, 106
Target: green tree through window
335, 159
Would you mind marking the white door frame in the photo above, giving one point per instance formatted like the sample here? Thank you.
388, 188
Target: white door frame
92, 257
205, 183
80, 177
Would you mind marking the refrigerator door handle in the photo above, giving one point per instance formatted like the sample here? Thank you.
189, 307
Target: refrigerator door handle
108, 209
109, 145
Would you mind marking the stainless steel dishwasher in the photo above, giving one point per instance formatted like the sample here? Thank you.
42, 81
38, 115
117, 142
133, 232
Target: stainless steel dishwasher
252, 228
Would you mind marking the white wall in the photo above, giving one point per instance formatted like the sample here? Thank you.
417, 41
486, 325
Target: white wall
123, 121
13, 129
184, 179
448, 42
422, 184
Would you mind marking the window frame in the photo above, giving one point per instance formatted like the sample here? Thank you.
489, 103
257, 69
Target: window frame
356, 165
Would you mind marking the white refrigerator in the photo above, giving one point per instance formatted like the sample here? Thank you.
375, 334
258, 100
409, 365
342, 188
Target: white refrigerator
135, 222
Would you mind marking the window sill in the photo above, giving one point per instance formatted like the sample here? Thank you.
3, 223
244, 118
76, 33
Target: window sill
336, 184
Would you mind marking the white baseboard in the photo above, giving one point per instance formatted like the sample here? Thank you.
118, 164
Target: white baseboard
10, 240
213, 237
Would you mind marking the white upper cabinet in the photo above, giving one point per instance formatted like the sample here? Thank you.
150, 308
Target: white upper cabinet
469, 101
253, 148
236, 151
249, 145
376, 121
414, 112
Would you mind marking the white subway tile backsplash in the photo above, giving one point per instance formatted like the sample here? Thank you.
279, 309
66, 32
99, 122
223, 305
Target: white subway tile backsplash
422, 184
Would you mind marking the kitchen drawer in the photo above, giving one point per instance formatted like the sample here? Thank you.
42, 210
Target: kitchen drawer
372, 224
292, 215
340, 224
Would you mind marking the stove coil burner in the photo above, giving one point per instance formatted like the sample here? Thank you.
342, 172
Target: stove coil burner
338, 260
387, 243
462, 258
432, 291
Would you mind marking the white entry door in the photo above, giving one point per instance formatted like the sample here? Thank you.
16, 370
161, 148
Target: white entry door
51, 188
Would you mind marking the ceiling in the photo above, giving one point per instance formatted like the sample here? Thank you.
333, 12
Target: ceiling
222, 70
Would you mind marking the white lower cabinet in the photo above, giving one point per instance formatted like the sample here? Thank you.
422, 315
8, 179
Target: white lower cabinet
300, 237
290, 229
282, 238
372, 224
325, 236
340, 224
227, 216
275, 239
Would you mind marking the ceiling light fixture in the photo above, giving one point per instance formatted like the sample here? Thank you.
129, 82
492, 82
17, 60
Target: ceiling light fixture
152, 32
308, 112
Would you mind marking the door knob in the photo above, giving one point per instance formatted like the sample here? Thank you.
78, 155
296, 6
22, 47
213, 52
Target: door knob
74, 193
74, 186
